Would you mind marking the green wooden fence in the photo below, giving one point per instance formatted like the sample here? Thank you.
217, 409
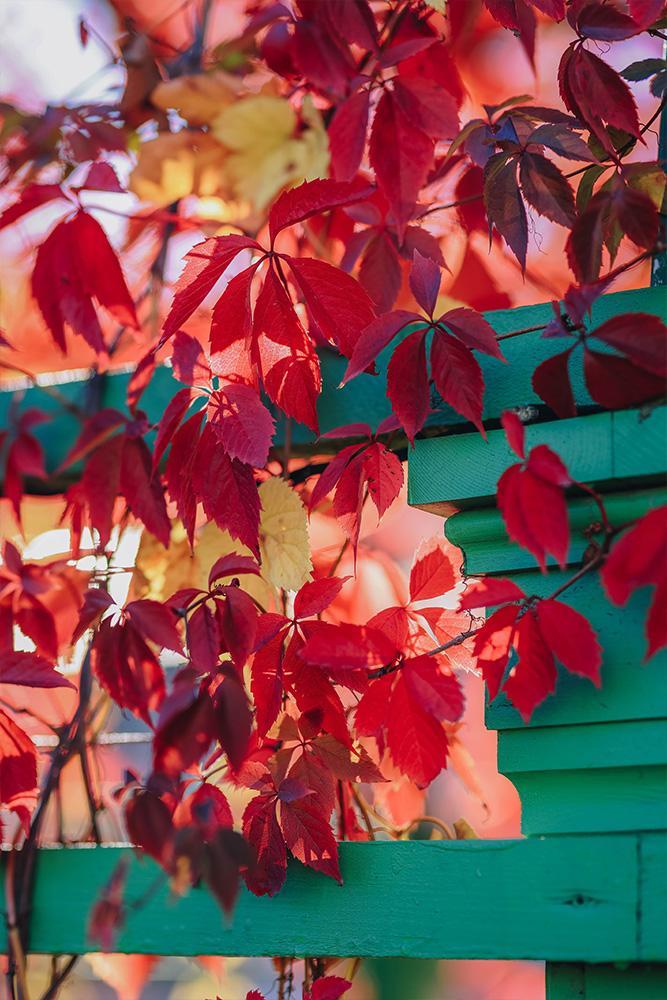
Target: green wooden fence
585, 889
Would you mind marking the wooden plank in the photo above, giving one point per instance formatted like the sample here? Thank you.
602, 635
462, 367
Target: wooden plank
652, 928
630, 689
481, 533
575, 748
590, 982
454, 471
565, 899
364, 399
616, 799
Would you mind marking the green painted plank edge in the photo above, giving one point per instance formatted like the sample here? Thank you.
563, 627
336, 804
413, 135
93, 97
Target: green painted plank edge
592, 982
612, 800
480, 532
563, 899
603, 448
364, 399
575, 748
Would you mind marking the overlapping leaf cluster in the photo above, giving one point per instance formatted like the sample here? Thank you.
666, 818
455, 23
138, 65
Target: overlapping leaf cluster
253, 684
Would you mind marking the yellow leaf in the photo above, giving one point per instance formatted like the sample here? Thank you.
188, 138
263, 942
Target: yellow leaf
268, 151
283, 535
175, 165
198, 98
161, 572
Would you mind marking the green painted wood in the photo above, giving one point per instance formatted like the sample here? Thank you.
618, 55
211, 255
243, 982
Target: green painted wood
563, 899
364, 399
576, 748
481, 534
609, 800
463, 470
652, 929
630, 689
590, 982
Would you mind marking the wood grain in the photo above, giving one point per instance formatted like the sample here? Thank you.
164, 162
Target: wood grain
561, 898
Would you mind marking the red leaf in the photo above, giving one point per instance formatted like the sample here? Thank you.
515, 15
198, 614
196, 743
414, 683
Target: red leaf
584, 244
207, 808
347, 647
156, 622
101, 484
535, 513
142, 489
315, 597
380, 271
416, 741
18, 761
638, 559
174, 412
545, 188
376, 336
32, 196
127, 669
514, 432
290, 366
328, 988
233, 718
433, 572
642, 337
425, 282
204, 643
384, 473
570, 638
267, 682
493, 644
231, 565
407, 383
401, 156
204, 264
534, 675
337, 303
348, 499
309, 836
237, 619
551, 382
180, 468
347, 135
473, 330
435, 690
149, 825
458, 377
78, 253
101, 176
332, 473
242, 423
504, 205
188, 360
547, 465
312, 198
231, 320
615, 382
596, 94
562, 141
228, 492
435, 63
488, 592
427, 106
30, 670
185, 730
261, 830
